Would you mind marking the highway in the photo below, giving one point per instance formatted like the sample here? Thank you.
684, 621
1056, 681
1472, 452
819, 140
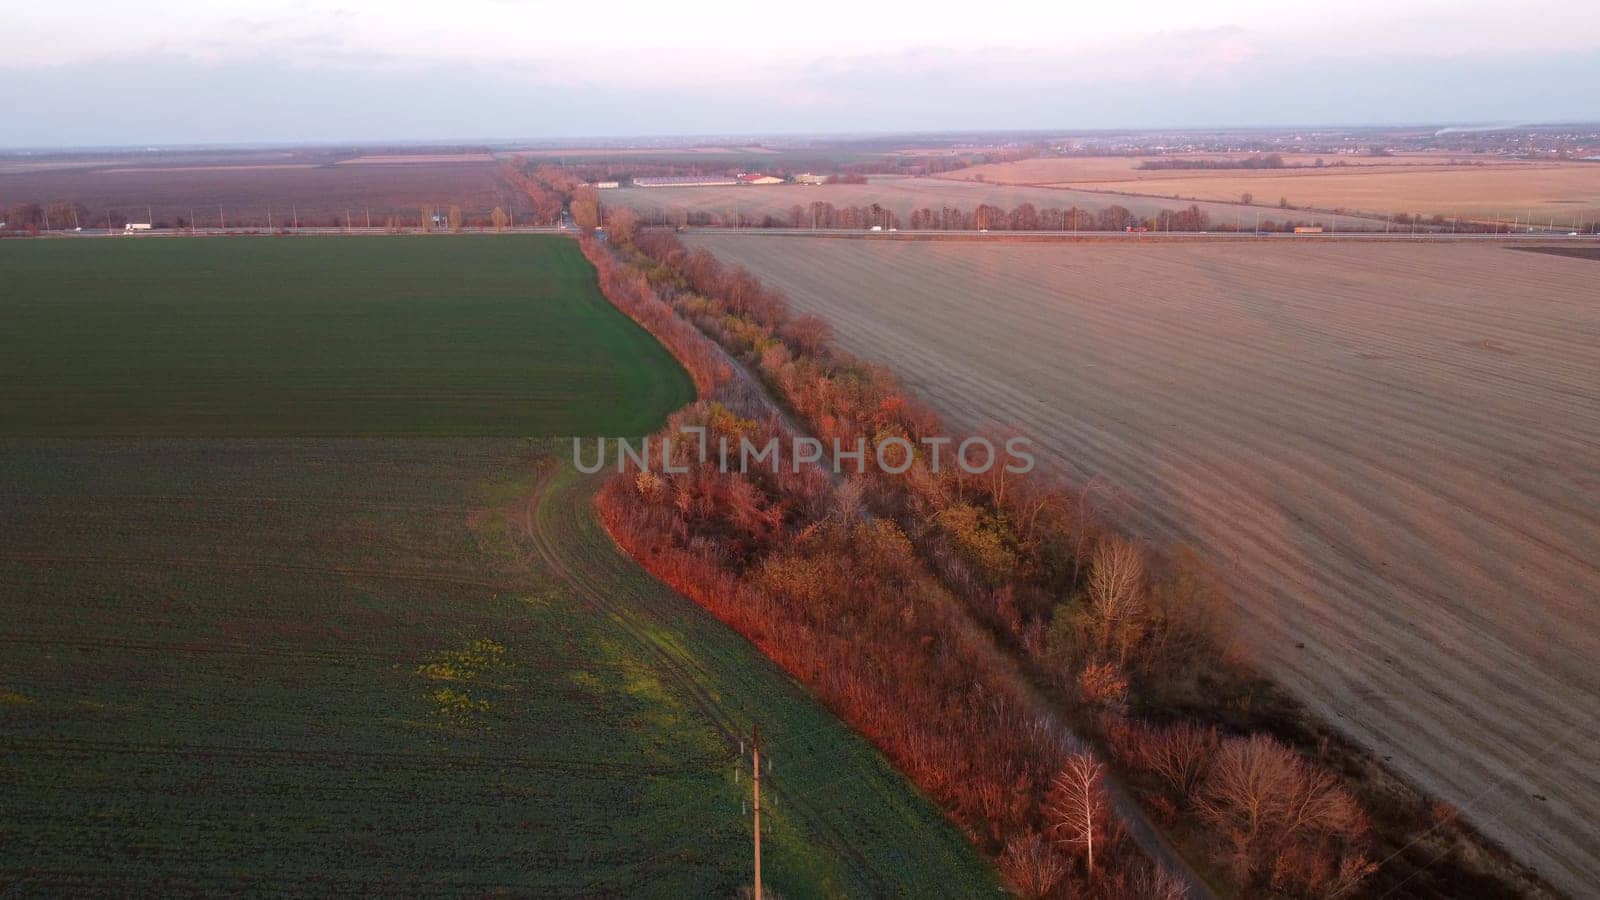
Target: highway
1539, 236
860, 234
292, 232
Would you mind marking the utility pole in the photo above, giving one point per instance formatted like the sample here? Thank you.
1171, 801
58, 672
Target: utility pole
294, 213
755, 786
369, 217
220, 220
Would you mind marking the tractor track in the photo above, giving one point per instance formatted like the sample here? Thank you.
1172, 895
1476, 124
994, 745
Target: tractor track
584, 575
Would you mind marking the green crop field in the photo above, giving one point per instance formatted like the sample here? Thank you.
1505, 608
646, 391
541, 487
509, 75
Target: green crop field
398, 667
502, 335
291, 603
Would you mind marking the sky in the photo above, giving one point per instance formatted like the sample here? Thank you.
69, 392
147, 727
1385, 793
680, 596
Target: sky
158, 72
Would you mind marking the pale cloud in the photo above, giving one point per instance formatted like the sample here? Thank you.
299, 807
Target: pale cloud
354, 69
669, 38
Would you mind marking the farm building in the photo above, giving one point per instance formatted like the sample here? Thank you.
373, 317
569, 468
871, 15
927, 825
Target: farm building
758, 178
685, 181
606, 185
809, 178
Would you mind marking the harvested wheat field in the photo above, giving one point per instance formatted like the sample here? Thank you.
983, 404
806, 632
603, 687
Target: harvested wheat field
1390, 454
749, 205
1087, 170
1545, 196
1490, 188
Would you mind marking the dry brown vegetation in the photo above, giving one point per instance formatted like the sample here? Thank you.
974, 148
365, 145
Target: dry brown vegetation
1491, 188
1383, 452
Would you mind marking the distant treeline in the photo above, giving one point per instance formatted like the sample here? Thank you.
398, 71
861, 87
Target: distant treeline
1027, 217
985, 217
845, 171
40, 218
1270, 161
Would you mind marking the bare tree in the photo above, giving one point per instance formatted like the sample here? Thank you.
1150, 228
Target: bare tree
1179, 754
1077, 805
1032, 866
1116, 595
1265, 799
1154, 882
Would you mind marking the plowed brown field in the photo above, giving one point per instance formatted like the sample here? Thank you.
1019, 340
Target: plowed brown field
1390, 454
252, 193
